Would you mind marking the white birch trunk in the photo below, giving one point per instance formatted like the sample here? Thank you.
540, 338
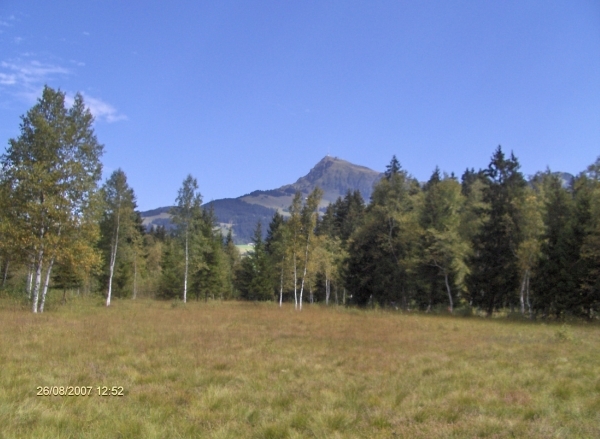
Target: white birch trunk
327, 289
449, 292
304, 274
281, 283
113, 258
522, 295
302, 288
135, 275
295, 283
29, 280
38, 280
185, 276
527, 292
46, 283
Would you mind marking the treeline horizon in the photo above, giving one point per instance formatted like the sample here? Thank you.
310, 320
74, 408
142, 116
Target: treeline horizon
489, 242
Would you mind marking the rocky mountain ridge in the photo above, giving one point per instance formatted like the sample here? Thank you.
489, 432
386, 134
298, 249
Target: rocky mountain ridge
333, 175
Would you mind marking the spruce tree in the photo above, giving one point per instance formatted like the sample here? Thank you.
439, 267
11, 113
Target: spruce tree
255, 279
494, 277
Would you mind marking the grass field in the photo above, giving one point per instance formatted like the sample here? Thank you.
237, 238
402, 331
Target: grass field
245, 248
244, 370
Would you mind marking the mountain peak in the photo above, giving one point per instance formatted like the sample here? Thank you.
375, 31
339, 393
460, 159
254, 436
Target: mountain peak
333, 175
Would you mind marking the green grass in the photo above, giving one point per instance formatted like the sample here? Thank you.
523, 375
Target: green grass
245, 248
244, 370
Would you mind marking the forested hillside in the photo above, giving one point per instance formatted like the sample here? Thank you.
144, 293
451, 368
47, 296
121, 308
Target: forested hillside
487, 242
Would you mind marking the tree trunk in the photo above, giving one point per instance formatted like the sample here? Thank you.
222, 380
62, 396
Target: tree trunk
135, 275
5, 273
327, 289
46, 283
304, 274
38, 280
113, 258
522, 295
527, 292
449, 292
295, 282
281, 283
29, 280
185, 276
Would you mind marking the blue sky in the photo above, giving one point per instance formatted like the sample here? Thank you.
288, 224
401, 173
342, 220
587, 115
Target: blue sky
249, 95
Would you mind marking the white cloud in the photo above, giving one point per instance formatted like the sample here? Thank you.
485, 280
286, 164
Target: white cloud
27, 75
102, 110
25, 79
7, 79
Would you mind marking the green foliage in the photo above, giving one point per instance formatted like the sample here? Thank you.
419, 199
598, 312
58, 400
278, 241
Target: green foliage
120, 235
494, 277
195, 260
171, 280
382, 253
49, 187
443, 249
255, 280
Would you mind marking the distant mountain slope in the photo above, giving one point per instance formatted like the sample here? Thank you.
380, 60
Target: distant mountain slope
241, 217
333, 175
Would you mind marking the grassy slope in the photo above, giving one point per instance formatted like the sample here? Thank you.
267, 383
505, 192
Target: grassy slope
232, 370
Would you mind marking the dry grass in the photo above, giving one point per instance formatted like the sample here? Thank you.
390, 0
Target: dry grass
233, 370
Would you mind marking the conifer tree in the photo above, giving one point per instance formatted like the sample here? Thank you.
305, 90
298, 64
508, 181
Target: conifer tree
255, 277
233, 258
275, 246
382, 252
494, 277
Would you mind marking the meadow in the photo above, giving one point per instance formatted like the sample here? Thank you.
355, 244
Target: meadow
248, 370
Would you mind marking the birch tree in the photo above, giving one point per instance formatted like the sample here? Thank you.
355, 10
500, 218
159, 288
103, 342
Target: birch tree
309, 216
442, 245
50, 174
119, 219
184, 214
529, 251
294, 225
